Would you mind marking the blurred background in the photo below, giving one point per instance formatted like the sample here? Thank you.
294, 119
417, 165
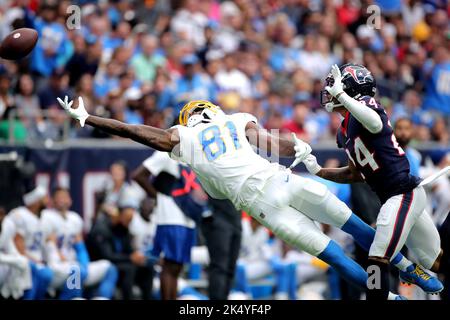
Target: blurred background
141, 61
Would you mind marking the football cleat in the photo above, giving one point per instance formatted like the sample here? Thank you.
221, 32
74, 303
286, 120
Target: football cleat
418, 276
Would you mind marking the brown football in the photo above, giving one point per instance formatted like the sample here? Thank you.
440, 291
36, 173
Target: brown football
18, 44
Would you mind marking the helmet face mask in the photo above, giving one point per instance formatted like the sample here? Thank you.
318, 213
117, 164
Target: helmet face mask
326, 99
357, 81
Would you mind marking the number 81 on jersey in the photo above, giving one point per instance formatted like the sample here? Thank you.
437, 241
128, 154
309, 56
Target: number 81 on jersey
212, 140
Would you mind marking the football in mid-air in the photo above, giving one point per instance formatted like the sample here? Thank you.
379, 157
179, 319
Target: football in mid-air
18, 44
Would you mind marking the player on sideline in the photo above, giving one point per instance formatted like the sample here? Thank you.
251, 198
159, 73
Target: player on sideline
15, 271
218, 148
68, 228
376, 158
32, 242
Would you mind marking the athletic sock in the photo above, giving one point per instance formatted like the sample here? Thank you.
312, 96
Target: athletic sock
378, 281
404, 264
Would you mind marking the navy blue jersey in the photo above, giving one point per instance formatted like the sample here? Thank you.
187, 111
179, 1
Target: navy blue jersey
378, 157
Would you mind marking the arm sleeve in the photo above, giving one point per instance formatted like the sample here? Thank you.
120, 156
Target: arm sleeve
244, 118
82, 253
368, 117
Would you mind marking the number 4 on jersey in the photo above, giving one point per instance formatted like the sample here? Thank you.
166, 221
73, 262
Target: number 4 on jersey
363, 155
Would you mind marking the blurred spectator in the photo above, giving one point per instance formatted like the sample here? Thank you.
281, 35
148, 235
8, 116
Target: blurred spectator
229, 52
143, 226
298, 124
232, 79
222, 232
58, 86
403, 131
117, 186
110, 239
15, 273
141, 61
6, 99
85, 59
258, 261
438, 85
175, 232
33, 242
192, 85
146, 62
53, 48
99, 276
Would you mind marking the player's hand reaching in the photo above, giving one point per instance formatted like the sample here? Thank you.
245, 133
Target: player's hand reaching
311, 164
337, 88
302, 150
79, 113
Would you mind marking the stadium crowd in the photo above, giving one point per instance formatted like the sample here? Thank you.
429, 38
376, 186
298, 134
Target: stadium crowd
141, 61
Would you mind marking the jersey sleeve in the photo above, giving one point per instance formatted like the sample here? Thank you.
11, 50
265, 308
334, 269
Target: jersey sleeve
244, 118
19, 222
47, 223
78, 223
161, 162
8, 229
183, 151
371, 103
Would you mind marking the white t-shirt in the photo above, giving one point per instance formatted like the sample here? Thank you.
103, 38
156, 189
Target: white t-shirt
234, 80
31, 228
66, 228
166, 211
143, 232
224, 160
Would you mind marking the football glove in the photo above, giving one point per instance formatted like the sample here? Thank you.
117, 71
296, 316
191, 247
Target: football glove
337, 87
311, 164
79, 113
302, 149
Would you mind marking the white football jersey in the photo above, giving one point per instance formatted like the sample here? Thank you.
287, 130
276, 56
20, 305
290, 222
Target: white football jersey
166, 211
7, 237
143, 232
30, 227
66, 228
224, 160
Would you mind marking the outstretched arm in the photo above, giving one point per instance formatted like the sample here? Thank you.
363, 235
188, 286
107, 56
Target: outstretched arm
348, 174
262, 139
159, 139
142, 176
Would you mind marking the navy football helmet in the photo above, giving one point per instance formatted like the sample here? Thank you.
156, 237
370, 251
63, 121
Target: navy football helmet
357, 81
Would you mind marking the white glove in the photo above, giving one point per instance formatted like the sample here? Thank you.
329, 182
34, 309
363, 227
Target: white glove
302, 149
311, 164
337, 85
79, 113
